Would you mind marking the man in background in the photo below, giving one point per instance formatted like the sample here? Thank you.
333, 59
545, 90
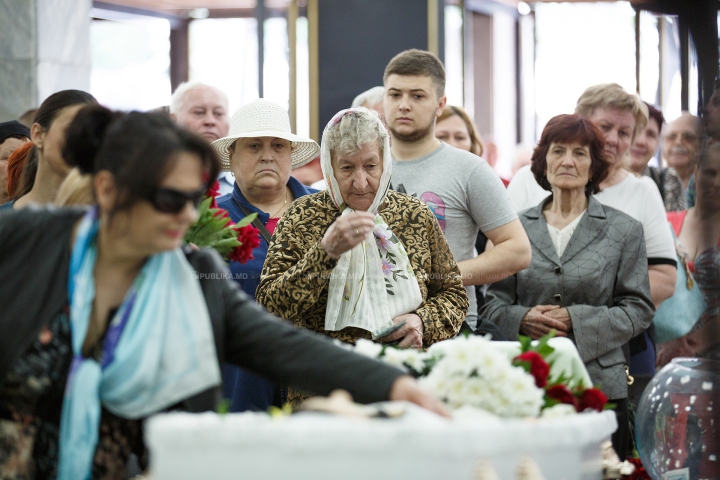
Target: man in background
372, 99
462, 190
683, 139
203, 109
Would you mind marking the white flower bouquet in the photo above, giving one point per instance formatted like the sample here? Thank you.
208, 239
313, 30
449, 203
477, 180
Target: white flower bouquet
473, 371
467, 371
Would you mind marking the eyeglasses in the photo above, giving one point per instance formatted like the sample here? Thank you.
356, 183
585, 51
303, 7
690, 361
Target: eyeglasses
687, 136
168, 200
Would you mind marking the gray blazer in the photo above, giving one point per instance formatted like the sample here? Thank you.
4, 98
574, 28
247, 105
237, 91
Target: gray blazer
602, 279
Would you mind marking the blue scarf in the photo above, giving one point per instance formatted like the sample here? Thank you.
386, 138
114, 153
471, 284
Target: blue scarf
158, 350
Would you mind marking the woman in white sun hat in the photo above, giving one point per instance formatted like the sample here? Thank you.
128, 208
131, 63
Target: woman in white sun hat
261, 151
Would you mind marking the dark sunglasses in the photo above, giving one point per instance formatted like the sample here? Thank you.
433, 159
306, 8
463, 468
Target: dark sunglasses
167, 200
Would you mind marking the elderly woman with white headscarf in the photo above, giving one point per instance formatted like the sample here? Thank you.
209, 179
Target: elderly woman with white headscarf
360, 260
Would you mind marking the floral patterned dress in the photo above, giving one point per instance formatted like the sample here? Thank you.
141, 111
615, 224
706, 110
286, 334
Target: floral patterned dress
31, 398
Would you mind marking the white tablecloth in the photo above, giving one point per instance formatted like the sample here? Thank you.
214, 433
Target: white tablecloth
417, 446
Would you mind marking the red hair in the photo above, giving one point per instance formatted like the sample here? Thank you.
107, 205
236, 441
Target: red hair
571, 129
16, 162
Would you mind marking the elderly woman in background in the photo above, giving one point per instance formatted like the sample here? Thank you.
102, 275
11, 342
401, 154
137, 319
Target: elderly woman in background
698, 242
588, 277
621, 117
360, 260
643, 149
261, 151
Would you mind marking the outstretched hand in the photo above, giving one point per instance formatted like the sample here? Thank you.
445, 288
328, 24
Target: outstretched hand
407, 389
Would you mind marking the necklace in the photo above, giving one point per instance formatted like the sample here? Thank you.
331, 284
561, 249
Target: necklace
272, 215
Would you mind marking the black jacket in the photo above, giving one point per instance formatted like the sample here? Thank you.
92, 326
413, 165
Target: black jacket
34, 267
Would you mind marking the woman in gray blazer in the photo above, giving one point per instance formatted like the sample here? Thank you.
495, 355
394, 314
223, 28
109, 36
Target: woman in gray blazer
588, 278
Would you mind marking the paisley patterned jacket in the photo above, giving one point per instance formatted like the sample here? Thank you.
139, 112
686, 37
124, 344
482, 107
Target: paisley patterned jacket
296, 275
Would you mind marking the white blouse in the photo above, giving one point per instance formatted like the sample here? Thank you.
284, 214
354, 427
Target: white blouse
561, 238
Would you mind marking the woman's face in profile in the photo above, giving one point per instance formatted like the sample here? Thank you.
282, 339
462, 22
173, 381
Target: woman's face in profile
53, 139
568, 165
453, 131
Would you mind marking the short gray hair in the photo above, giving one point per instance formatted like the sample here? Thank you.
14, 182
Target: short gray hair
355, 129
369, 97
176, 101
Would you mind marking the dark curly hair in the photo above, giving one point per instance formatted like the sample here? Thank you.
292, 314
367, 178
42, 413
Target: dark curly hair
568, 129
139, 149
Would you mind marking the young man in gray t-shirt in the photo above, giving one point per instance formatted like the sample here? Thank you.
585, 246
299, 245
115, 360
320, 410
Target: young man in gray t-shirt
463, 191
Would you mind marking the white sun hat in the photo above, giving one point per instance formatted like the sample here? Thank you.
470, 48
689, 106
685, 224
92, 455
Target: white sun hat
263, 118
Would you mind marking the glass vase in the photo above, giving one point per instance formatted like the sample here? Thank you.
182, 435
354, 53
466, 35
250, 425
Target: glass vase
677, 422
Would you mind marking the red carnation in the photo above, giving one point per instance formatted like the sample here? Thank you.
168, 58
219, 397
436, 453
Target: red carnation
592, 398
562, 394
212, 192
249, 237
219, 212
538, 367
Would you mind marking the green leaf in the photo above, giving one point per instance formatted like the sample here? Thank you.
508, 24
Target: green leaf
223, 406
525, 343
543, 348
228, 242
246, 221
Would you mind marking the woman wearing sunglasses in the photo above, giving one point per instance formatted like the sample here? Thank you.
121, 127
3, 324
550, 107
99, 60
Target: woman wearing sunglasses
107, 319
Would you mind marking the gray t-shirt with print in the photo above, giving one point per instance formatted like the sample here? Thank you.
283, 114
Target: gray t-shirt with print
464, 193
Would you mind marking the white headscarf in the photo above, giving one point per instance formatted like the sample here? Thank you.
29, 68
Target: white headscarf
374, 282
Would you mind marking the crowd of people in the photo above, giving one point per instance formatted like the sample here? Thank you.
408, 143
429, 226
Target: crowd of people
395, 229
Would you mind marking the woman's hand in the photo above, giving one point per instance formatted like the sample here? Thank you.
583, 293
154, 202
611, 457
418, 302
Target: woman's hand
537, 322
562, 315
347, 232
407, 389
410, 334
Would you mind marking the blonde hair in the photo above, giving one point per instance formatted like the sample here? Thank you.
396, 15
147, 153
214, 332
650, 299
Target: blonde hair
476, 143
76, 189
614, 96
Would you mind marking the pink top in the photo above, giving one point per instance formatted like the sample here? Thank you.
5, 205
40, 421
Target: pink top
271, 224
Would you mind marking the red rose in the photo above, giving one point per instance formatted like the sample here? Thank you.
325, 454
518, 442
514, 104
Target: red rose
562, 394
538, 367
592, 398
249, 237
